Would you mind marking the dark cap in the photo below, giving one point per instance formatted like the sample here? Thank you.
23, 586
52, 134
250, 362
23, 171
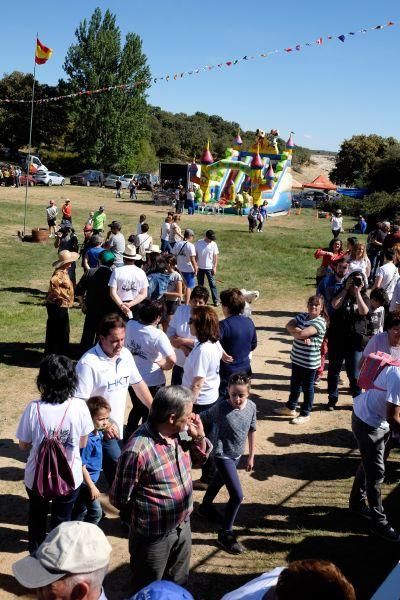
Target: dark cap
115, 224
210, 234
65, 225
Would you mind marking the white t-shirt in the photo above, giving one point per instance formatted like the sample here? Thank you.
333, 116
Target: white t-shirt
370, 406
174, 278
203, 361
179, 326
77, 423
165, 228
147, 345
99, 375
183, 251
363, 264
336, 223
380, 342
190, 196
139, 228
144, 241
390, 275
256, 588
128, 280
205, 253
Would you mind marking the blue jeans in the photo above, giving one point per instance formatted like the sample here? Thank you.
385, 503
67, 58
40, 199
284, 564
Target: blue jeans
211, 282
111, 454
166, 246
226, 475
85, 508
351, 358
302, 379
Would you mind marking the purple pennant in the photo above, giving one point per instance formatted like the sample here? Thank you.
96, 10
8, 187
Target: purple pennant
342, 37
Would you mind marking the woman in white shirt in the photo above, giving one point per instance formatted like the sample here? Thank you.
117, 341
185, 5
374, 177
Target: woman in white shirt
336, 223
201, 372
57, 410
153, 354
358, 259
164, 234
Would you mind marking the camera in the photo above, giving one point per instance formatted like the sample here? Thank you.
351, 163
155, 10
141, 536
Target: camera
357, 281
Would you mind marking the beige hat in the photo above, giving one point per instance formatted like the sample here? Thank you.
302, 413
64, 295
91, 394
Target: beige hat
64, 257
130, 253
154, 248
71, 548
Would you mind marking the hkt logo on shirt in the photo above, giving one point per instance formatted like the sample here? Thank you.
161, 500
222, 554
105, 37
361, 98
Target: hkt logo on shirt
118, 383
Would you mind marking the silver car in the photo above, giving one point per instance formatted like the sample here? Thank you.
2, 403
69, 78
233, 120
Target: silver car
111, 181
48, 178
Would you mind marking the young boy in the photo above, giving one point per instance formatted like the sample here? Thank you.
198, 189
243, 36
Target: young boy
379, 299
87, 506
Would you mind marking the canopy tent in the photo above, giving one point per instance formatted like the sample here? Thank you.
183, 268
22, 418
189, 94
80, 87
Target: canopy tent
296, 185
320, 183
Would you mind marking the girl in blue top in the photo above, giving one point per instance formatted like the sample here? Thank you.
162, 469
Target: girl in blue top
235, 422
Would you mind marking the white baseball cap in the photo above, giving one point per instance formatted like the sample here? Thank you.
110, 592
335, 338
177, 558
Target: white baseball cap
73, 547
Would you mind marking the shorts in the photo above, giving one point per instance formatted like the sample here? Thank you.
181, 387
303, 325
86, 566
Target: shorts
51, 222
189, 279
171, 306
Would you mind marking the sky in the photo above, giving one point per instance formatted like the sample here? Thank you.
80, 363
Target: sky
324, 93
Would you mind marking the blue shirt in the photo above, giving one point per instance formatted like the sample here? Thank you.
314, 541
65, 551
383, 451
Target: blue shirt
328, 288
238, 338
92, 256
92, 455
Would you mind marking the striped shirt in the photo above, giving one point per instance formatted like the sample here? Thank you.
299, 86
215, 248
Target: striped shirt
153, 476
308, 355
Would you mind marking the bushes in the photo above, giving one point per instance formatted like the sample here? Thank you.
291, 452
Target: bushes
379, 206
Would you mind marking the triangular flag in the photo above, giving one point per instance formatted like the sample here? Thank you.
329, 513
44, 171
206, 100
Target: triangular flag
288, 49
389, 23
319, 41
341, 37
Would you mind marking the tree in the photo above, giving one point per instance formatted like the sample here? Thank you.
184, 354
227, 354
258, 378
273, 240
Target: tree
108, 127
385, 175
357, 157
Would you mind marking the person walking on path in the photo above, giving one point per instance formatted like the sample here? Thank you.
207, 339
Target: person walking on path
207, 254
154, 479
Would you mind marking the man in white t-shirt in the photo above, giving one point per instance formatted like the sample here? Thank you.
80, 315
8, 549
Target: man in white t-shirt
128, 284
108, 370
186, 261
387, 275
207, 261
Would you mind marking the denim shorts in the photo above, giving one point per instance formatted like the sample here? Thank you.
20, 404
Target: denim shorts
189, 279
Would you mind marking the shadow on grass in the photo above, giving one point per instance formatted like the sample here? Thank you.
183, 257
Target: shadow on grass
24, 290
21, 354
10, 449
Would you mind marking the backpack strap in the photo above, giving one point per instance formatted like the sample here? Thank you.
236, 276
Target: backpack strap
57, 431
62, 420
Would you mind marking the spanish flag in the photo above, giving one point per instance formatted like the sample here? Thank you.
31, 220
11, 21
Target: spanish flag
42, 53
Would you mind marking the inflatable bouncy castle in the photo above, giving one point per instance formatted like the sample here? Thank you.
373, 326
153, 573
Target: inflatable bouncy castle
260, 169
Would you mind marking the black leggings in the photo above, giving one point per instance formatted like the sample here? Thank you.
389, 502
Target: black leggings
226, 475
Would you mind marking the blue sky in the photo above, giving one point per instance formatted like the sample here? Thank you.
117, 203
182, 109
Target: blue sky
324, 93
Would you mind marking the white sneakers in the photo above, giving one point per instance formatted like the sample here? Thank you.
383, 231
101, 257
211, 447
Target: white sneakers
284, 411
301, 419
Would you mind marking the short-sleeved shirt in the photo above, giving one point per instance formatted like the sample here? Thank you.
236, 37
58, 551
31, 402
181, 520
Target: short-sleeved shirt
52, 212
128, 281
308, 355
232, 427
179, 326
389, 274
184, 251
147, 345
336, 223
203, 361
238, 338
76, 424
174, 279
205, 252
165, 229
376, 319
117, 247
99, 219
92, 256
92, 455
371, 406
99, 375
380, 343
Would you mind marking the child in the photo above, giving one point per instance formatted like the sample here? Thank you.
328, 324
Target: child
253, 218
87, 506
379, 299
234, 420
308, 330
173, 295
142, 219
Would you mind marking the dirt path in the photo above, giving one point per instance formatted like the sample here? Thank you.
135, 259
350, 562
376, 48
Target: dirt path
284, 478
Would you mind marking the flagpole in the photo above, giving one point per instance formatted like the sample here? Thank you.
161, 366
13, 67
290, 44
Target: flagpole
30, 135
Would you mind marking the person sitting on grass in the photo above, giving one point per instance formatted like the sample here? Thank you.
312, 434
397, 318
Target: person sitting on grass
308, 330
235, 421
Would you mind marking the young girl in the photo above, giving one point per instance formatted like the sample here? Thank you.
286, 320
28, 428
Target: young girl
234, 420
308, 330
358, 259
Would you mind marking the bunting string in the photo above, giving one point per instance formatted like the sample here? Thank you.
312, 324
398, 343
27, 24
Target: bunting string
126, 87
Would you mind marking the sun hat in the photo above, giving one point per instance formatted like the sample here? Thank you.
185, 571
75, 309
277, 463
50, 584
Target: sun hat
115, 224
88, 228
130, 253
153, 248
64, 257
162, 590
73, 547
107, 258
210, 234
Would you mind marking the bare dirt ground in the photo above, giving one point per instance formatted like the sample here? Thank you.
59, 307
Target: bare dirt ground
322, 165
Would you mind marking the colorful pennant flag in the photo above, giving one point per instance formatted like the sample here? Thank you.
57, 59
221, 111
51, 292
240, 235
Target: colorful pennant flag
42, 53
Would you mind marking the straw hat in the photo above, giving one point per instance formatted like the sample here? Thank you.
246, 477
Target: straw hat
64, 257
154, 248
130, 253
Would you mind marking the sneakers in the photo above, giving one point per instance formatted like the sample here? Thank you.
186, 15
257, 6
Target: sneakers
209, 512
301, 419
317, 382
200, 485
227, 541
285, 411
386, 532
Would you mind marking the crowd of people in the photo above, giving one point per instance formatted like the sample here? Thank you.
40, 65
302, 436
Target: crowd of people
146, 312
10, 175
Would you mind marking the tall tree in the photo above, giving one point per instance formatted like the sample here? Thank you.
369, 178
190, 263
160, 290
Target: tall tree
108, 127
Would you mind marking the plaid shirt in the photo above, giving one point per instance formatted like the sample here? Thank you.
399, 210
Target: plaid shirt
153, 476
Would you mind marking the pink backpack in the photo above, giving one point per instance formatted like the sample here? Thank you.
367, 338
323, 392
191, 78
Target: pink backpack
373, 365
53, 476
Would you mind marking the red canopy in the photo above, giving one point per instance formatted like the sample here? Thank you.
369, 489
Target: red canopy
320, 183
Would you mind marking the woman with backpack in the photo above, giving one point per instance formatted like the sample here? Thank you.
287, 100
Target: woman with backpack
53, 429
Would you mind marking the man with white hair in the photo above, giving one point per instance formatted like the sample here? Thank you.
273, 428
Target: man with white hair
70, 564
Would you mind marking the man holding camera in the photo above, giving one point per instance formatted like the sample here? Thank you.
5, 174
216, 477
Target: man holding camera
347, 334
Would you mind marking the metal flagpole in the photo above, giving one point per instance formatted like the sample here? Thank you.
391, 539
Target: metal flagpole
30, 136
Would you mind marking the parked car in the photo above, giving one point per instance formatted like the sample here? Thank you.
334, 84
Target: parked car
88, 177
48, 178
129, 176
22, 180
147, 181
111, 180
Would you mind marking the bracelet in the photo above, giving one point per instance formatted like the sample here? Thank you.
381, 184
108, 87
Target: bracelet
198, 439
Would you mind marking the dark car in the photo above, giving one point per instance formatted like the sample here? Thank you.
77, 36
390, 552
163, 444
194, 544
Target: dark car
147, 181
88, 178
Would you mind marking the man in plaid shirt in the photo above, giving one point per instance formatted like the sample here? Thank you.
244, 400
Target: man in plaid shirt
154, 480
